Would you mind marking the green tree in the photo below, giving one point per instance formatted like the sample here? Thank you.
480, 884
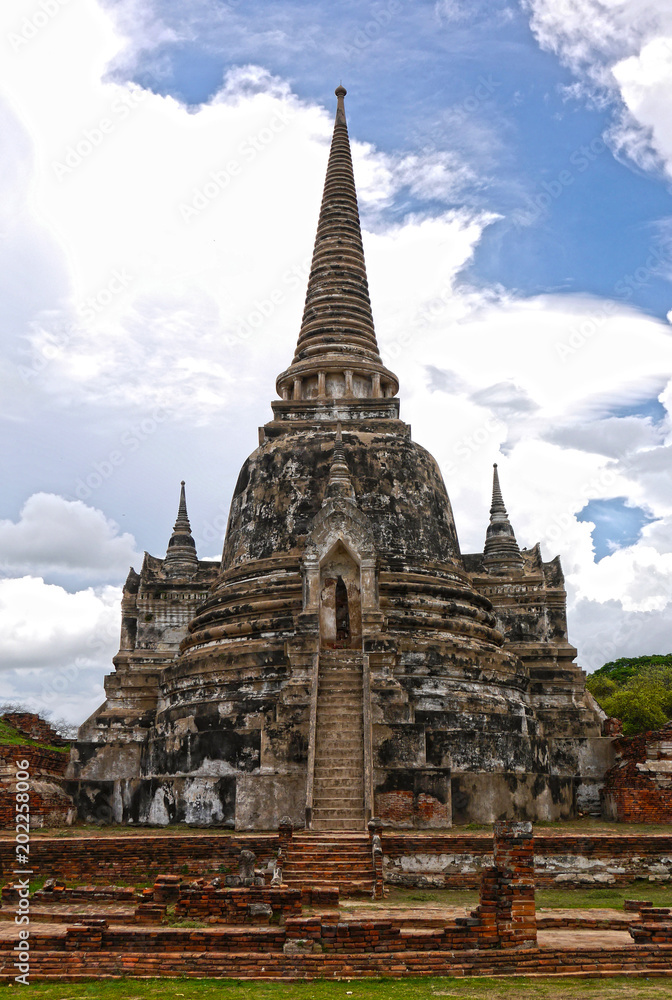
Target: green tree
638, 691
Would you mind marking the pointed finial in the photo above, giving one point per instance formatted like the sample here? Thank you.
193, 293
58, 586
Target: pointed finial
340, 107
497, 498
337, 351
501, 553
181, 558
340, 483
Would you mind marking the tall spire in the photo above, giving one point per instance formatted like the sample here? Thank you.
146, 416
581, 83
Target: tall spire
501, 553
337, 353
181, 558
340, 483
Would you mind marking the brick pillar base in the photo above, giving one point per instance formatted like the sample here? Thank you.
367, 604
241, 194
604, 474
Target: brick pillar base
516, 919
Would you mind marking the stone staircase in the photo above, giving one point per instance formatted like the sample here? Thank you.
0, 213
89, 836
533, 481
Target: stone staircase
338, 784
330, 859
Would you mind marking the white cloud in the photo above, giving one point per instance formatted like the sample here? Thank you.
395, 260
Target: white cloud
41, 624
530, 384
621, 51
67, 537
170, 270
613, 436
607, 631
55, 646
192, 265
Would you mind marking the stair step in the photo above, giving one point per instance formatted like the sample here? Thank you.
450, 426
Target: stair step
344, 869
336, 805
337, 813
349, 733
338, 780
339, 705
336, 824
338, 777
330, 695
319, 843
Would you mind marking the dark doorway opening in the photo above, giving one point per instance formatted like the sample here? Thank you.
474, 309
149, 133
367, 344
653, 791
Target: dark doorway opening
342, 612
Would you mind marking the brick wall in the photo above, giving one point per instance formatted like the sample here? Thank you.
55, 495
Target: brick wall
638, 788
409, 860
106, 858
258, 956
231, 906
457, 862
49, 804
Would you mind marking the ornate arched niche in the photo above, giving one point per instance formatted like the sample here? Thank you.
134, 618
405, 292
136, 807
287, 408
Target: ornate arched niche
339, 568
340, 600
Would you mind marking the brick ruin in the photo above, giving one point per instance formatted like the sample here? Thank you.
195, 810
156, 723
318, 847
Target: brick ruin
265, 925
245, 926
409, 859
638, 788
345, 660
47, 756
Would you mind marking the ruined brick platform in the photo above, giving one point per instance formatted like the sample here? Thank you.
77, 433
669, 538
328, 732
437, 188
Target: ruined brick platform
411, 860
259, 931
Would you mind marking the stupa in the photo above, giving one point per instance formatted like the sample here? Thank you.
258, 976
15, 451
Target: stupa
345, 659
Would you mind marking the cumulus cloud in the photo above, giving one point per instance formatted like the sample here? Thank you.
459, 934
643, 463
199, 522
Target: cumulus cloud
607, 631
55, 646
620, 52
613, 436
181, 288
67, 537
164, 307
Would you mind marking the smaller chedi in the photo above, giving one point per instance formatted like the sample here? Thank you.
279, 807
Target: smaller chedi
345, 659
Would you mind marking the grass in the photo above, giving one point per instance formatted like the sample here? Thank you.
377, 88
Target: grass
114, 830
590, 825
547, 899
563, 899
416, 988
587, 825
605, 898
9, 736
425, 897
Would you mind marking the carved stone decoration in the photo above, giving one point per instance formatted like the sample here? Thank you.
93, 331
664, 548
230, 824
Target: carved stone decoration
345, 658
341, 546
246, 866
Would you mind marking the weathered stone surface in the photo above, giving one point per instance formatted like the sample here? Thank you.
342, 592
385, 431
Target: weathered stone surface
345, 658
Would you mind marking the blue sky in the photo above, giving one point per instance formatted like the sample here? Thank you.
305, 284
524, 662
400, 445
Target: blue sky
477, 83
514, 167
